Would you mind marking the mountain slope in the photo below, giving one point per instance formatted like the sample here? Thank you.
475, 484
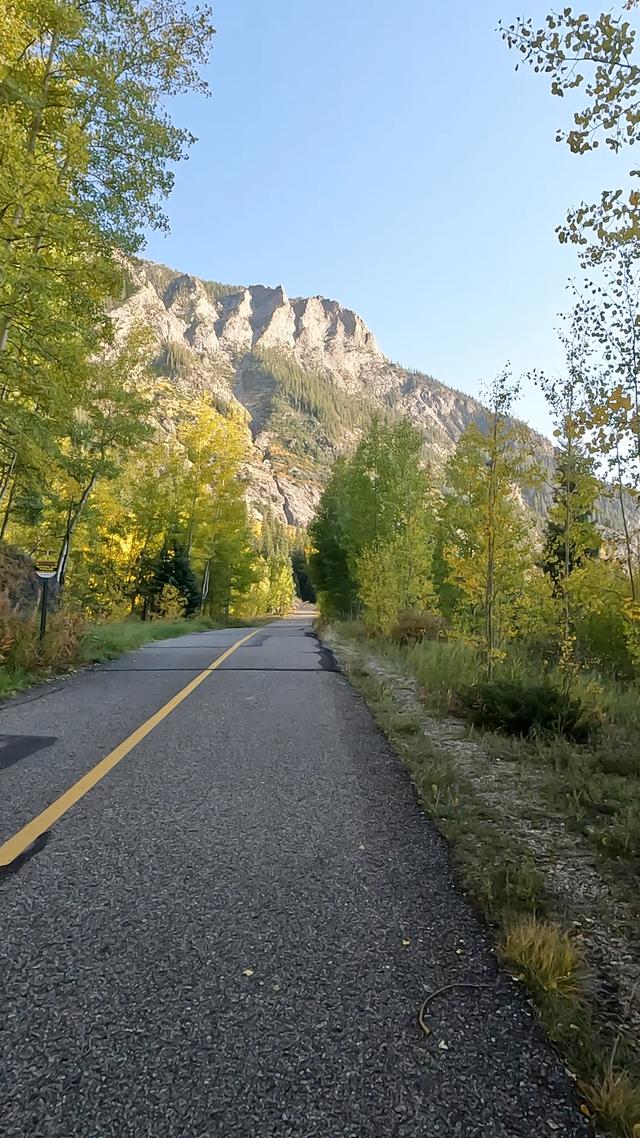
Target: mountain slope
307, 370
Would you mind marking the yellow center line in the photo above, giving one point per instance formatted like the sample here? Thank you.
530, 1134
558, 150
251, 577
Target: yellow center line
15, 846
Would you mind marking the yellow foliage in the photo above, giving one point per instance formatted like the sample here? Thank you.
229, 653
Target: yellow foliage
394, 577
487, 538
256, 598
539, 614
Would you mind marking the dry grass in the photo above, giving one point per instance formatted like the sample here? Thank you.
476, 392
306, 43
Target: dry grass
21, 650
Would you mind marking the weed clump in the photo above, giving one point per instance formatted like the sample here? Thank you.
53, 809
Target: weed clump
547, 957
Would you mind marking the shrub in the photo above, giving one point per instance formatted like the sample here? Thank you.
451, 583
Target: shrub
415, 627
548, 959
21, 648
524, 709
602, 645
60, 648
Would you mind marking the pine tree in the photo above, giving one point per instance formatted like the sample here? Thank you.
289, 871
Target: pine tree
300, 566
571, 537
169, 567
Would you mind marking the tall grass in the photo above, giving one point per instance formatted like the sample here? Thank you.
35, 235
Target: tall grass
445, 667
440, 667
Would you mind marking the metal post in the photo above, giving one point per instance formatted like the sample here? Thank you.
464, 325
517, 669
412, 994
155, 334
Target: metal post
43, 607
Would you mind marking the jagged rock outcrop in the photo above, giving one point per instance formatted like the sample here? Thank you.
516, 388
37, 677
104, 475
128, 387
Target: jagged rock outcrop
19, 582
224, 340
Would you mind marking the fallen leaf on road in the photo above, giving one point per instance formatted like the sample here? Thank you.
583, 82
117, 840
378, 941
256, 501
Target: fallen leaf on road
248, 972
443, 1046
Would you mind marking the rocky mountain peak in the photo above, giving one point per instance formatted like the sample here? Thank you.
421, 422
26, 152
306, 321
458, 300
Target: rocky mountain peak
231, 320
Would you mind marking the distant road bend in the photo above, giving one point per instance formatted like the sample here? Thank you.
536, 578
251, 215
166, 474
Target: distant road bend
223, 908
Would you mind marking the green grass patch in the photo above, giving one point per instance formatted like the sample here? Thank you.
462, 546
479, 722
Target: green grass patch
440, 667
108, 641
13, 680
598, 792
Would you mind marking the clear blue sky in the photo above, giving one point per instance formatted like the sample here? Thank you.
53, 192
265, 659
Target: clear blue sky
387, 154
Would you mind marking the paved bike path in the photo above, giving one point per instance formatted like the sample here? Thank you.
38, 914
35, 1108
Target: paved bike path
231, 933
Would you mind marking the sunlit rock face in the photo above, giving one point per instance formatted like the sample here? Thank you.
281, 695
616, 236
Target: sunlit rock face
222, 339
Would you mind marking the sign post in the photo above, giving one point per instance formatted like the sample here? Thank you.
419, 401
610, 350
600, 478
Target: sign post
45, 571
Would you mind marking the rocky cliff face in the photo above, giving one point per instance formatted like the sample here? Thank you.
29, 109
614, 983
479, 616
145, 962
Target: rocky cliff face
307, 370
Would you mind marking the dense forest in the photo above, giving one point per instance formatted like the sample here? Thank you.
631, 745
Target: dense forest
459, 557
314, 418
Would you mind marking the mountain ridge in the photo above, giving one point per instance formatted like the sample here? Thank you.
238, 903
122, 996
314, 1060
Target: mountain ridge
307, 371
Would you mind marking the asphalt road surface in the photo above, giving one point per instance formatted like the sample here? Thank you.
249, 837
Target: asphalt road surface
231, 932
